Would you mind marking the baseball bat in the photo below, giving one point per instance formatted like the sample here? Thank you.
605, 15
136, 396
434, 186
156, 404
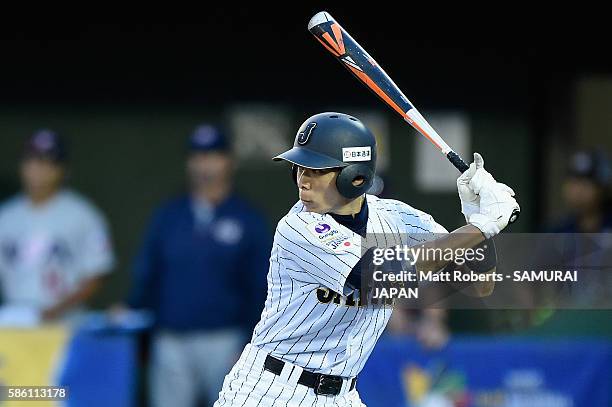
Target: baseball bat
350, 54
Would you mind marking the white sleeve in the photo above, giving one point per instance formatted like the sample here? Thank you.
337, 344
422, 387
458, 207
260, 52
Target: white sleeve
417, 221
433, 226
316, 250
96, 253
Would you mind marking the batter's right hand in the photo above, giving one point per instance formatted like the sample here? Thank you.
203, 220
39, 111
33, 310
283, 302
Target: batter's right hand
497, 203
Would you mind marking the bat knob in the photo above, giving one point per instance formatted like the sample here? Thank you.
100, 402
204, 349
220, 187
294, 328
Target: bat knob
320, 17
514, 216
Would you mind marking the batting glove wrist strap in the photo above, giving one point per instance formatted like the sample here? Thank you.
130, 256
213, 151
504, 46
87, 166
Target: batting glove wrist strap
487, 226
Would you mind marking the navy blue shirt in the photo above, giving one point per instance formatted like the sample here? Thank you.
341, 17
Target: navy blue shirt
358, 223
206, 274
570, 225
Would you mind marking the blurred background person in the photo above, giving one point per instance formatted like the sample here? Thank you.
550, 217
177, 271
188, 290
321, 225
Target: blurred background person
586, 194
429, 326
202, 272
586, 197
54, 244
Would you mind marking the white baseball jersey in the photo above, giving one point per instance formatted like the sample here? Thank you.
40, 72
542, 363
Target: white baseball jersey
311, 319
46, 251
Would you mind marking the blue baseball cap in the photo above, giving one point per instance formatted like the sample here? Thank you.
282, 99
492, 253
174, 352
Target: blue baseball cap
45, 143
206, 138
591, 164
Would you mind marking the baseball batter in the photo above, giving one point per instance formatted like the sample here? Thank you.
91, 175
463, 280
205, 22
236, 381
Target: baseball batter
316, 331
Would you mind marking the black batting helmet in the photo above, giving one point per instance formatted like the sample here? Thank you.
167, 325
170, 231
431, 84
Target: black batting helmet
336, 140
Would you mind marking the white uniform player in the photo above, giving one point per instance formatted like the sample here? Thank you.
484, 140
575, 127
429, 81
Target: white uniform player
51, 240
47, 251
316, 331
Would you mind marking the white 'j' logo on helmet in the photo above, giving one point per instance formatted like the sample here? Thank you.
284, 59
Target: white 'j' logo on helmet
304, 136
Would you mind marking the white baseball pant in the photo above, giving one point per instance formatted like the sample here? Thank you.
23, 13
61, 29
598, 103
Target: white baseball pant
249, 385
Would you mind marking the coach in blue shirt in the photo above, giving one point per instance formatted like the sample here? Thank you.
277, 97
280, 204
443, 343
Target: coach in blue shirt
202, 272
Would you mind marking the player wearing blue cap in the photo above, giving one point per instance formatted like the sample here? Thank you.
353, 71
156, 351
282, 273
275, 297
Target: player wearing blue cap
54, 244
201, 270
586, 193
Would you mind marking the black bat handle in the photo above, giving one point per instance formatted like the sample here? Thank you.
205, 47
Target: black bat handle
463, 167
457, 161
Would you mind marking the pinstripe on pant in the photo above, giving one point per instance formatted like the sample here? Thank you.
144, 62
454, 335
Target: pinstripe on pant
249, 385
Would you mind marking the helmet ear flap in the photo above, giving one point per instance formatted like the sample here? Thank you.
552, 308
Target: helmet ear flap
344, 181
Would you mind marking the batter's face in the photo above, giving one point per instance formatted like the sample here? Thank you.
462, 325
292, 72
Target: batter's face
318, 191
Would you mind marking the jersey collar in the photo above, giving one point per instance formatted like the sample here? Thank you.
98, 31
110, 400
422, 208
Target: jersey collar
358, 223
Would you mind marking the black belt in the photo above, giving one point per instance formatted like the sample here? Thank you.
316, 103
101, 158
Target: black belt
322, 384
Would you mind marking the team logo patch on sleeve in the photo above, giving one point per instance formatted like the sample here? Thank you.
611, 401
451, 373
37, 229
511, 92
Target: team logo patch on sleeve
330, 236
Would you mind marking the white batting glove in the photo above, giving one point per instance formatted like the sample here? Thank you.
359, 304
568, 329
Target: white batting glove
470, 202
496, 203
